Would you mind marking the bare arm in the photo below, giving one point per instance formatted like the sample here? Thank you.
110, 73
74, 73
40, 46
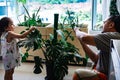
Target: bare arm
93, 56
16, 35
85, 40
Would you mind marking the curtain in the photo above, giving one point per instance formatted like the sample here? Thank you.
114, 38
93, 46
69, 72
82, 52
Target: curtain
105, 8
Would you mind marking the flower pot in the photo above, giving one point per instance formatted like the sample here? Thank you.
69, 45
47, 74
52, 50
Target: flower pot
49, 70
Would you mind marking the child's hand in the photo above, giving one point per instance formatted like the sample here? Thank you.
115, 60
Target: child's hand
32, 28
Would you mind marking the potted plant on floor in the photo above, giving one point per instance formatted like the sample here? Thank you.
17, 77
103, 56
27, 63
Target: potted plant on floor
58, 53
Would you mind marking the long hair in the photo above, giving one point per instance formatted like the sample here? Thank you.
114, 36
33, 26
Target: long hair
4, 23
116, 20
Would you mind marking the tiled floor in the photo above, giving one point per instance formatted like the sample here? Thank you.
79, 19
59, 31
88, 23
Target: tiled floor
25, 72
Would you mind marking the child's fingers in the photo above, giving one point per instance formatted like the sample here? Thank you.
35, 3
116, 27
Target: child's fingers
33, 28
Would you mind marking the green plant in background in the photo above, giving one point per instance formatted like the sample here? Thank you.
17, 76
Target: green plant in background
71, 19
84, 15
59, 1
22, 1
58, 53
70, 16
30, 20
33, 20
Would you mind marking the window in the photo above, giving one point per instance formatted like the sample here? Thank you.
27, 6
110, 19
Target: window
3, 8
79, 8
89, 12
100, 11
96, 15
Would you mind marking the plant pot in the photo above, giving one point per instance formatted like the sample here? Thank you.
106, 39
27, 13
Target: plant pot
49, 70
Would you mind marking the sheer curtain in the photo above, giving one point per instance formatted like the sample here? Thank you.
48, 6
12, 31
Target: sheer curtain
118, 5
105, 8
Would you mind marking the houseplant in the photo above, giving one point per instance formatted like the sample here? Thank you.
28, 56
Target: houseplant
58, 53
30, 19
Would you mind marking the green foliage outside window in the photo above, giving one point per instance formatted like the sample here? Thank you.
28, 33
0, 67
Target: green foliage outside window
22, 1
59, 1
75, 18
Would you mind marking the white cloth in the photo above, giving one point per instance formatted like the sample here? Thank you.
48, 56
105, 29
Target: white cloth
10, 52
84, 73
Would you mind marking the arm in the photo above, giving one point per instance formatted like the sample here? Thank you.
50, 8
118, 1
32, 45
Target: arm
16, 35
85, 39
93, 56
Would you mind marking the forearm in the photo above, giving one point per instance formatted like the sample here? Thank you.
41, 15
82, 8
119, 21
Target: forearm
12, 34
85, 39
26, 33
92, 55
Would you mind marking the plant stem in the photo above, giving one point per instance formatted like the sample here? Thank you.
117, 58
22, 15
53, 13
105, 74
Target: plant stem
44, 54
55, 26
26, 11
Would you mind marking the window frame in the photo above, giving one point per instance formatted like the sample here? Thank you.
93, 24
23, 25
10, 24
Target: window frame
93, 14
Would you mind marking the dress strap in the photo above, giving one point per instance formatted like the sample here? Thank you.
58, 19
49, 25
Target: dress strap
3, 43
4, 34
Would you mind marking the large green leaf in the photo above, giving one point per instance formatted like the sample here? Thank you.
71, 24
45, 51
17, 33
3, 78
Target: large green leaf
24, 56
33, 41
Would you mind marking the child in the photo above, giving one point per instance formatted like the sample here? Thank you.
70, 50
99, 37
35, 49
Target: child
9, 49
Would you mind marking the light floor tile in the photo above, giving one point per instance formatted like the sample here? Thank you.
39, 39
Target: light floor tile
25, 72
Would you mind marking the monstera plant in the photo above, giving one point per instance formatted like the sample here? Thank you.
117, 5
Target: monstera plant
58, 52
